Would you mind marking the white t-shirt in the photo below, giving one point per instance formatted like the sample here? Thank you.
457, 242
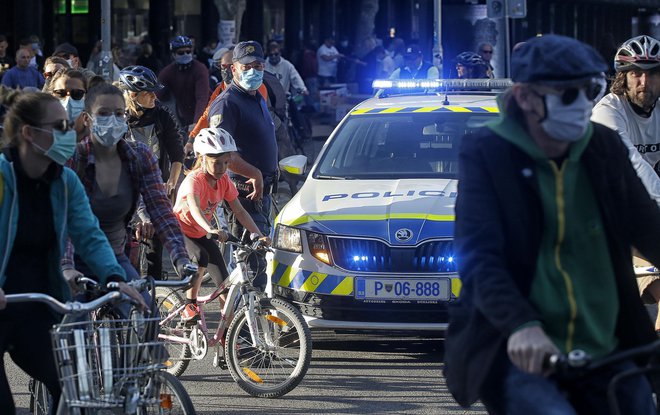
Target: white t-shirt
287, 74
327, 68
641, 136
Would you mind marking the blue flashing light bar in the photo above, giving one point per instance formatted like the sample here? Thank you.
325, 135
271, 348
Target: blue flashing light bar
441, 83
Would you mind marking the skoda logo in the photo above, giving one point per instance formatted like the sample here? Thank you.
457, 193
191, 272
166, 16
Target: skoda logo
403, 235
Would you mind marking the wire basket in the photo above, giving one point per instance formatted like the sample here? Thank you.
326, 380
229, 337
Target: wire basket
109, 363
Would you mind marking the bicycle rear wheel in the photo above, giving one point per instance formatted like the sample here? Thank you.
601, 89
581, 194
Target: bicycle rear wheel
173, 397
179, 354
275, 367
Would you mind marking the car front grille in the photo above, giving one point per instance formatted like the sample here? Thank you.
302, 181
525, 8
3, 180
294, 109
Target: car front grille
368, 255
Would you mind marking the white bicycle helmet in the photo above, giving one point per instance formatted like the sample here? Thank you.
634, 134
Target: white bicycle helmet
641, 52
214, 141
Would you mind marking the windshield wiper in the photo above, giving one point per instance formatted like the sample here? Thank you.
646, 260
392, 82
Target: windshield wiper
323, 176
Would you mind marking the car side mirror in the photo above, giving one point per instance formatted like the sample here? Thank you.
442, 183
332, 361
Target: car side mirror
295, 165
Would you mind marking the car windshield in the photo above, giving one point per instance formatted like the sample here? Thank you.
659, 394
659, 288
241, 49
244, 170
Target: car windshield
394, 146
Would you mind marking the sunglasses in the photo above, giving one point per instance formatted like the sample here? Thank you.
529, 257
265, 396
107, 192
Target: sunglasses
76, 94
47, 75
181, 52
592, 92
65, 56
60, 125
486, 51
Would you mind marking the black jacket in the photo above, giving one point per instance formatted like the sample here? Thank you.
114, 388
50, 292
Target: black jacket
167, 131
498, 249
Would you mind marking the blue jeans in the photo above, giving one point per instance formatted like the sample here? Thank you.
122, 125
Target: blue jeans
526, 394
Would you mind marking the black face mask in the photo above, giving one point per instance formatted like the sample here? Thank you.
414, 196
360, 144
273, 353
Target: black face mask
227, 76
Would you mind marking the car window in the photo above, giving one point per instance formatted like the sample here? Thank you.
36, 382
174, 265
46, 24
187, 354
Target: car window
398, 146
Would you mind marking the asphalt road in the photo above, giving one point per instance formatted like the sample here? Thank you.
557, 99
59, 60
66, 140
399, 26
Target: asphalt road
349, 374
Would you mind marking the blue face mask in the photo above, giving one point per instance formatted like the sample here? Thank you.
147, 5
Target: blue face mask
63, 147
108, 129
183, 59
73, 107
251, 79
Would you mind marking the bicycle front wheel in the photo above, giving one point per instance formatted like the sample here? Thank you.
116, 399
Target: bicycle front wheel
173, 399
276, 365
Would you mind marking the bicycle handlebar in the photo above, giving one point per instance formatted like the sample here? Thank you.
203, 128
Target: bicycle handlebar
70, 307
578, 361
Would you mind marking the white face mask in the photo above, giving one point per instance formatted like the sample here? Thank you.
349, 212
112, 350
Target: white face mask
73, 107
109, 129
567, 122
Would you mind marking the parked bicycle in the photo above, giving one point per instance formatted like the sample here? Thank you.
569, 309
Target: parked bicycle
264, 342
109, 363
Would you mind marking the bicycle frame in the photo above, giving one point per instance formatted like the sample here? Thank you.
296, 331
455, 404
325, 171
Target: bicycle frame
238, 295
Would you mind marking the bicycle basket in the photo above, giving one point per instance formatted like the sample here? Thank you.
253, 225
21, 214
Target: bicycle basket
108, 363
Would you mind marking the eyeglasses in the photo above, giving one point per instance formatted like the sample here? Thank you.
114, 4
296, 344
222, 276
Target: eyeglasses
66, 56
182, 52
76, 94
487, 51
259, 66
222, 65
60, 125
47, 75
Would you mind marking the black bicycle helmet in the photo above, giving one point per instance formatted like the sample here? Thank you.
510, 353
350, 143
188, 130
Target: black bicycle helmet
180, 42
138, 78
470, 59
641, 52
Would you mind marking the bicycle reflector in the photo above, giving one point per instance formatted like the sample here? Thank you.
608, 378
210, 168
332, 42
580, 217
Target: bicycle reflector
166, 401
454, 84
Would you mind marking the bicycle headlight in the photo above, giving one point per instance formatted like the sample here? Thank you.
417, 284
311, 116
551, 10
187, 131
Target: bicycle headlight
288, 239
318, 247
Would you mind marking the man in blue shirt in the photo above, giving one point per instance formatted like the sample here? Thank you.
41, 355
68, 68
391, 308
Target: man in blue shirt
23, 75
244, 114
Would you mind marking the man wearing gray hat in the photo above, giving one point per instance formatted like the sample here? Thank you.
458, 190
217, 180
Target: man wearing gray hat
243, 112
547, 212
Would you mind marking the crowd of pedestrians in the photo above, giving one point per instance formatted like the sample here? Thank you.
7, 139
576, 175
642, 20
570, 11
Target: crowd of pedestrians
88, 164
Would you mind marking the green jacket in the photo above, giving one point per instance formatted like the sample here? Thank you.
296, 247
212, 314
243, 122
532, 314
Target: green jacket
576, 313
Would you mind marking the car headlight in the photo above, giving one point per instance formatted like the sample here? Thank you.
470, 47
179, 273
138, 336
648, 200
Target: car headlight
288, 239
318, 247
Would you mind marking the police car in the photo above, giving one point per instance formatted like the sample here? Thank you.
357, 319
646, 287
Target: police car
366, 243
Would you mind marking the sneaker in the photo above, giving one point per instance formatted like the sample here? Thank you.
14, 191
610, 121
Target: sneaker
190, 313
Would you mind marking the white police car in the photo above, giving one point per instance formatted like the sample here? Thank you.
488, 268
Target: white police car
366, 243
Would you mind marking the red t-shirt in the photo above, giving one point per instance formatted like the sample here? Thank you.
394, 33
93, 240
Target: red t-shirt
209, 199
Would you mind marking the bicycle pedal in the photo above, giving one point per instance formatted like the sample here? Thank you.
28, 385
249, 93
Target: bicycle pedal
219, 361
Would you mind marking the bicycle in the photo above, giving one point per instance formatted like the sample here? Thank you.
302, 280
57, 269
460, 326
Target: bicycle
107, 363
264, 342
577, 364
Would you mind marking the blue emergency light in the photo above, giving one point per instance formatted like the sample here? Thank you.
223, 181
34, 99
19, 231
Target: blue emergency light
441, 84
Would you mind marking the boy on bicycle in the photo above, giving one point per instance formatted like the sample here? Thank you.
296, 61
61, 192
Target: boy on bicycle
203, 189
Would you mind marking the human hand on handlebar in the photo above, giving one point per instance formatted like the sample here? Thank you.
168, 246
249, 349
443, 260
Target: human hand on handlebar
70, 275
3, 300
527, 348
221, 235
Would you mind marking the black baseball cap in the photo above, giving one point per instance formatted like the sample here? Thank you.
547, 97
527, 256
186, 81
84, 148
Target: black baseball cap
412, 52
246, 52
67, 48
